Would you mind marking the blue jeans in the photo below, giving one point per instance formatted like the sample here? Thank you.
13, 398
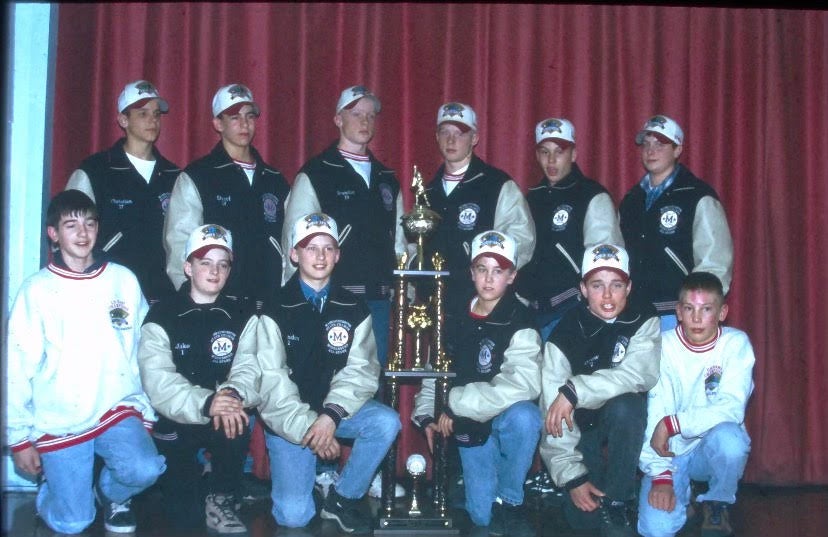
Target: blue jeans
381, 324
66, 500
293, 468
498, 468
719, 459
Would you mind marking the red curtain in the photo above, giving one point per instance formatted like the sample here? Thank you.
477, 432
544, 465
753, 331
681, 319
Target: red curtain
747, 86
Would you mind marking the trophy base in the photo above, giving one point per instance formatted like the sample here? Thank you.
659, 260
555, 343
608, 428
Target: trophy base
416, 525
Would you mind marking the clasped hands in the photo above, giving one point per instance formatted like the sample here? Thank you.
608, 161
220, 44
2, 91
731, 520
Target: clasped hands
227, 411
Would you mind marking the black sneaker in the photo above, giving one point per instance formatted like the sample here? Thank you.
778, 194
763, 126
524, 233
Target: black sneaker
615, 521
118, 517
511, 521
716, 520
346, 513
539, 483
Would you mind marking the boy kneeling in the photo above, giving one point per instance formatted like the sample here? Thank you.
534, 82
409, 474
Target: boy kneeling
188, 345
73, 387
696, 414
492, 414
598, 363
317, 372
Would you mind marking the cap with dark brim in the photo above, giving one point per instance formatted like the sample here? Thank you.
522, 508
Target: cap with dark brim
304, 242
162, 104
236, 108
199, 253
620, 272
563, 144
639, 139
502, 261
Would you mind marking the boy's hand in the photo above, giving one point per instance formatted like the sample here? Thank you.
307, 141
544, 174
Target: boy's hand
430, 431
445, 425
560, 410
583, 496
660, 441
28, 460
228, 413
320, 437
662, 497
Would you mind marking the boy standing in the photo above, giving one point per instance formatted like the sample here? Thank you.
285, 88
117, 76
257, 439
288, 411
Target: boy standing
233, 187
317, 372
73, 386
130, 184
696, 413
188, 345
598, 363
496, 354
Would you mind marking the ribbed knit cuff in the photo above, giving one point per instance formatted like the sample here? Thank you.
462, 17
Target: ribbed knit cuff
335, 412
568, 391
664, 478
672, 424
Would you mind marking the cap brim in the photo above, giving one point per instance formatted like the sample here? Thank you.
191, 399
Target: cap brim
618, 271
502, 261
162, 104
235, 108
351, 104
563, 144
462, 126
304, 242
639, 138
199, 253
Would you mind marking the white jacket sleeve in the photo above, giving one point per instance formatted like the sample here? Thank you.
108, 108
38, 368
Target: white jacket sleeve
601, 224
79, 180
301, 200
712, 243
184, 214
25, 352
513, 217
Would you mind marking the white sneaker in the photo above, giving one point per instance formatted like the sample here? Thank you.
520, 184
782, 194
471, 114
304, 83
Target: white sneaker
325, 480
220, 511
375, 490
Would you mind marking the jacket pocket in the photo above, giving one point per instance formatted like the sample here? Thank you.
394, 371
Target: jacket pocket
672, 255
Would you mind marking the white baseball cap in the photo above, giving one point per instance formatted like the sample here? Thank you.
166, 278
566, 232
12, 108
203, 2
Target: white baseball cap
560, 130
497, 245
355, 93
664, 128
460, 114
311, 225
140, 91
606, 257
233, 95
206, 237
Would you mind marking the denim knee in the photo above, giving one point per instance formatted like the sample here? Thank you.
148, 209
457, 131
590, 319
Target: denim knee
523, 416
142, 472
293, 511
727, 440
385, 423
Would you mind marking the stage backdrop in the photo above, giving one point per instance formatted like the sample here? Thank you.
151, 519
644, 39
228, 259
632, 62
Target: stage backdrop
747, 86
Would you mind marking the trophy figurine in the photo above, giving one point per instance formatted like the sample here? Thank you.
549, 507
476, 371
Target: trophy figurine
416, 467
421, 221
418, 320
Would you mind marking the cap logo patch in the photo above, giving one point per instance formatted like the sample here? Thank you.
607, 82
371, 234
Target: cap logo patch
237, 91
551, 126
605, 251
145, 87
359, 91
453, 110
656, 121
492, 240
316, 220
213, 232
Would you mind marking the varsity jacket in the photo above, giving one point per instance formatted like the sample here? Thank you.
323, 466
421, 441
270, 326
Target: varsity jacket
72, 368
497, 362
309, 362
684, 231
591, 361
486, 198
187, 350
699, 388
570, 216
328, 183
215, 190
128, 205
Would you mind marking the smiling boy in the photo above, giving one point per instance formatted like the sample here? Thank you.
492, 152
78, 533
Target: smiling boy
696, 413
72, 379
598, 363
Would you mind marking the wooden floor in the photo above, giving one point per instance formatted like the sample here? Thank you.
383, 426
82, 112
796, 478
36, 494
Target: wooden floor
760, 512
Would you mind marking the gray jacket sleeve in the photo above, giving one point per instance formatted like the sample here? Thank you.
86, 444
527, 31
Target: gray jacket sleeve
512, 217
79, 180
519, 379
172, 395
601, 223
184, 214
302, 200
712, 243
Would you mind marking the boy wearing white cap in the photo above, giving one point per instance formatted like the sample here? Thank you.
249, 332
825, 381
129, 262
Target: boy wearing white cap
347, 182
673, 222
491, 413
598, 363
131, 183
232, 186
189, 342
571, 213
471, 196
317, 372
72, 386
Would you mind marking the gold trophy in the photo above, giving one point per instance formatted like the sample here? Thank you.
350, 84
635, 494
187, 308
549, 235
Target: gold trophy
421, 221
418, 320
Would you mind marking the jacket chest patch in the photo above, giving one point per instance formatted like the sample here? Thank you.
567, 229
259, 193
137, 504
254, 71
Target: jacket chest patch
387, 196
467, 216
484, 357
669, 219
338, 335
711, 380
619, 351
119, 315
224, 201
561, 217
345, 195
270, 206
164, 201
221, 346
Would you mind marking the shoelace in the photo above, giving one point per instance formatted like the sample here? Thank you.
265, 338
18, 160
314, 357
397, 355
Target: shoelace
117, 508
225, 505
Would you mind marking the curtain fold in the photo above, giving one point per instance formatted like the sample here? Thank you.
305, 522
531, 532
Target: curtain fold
748, 86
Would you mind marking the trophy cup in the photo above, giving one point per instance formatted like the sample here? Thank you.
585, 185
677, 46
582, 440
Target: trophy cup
421, 221
416, 467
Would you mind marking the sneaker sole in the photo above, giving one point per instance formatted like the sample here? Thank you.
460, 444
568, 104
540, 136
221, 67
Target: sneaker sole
331, 516
120, 529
